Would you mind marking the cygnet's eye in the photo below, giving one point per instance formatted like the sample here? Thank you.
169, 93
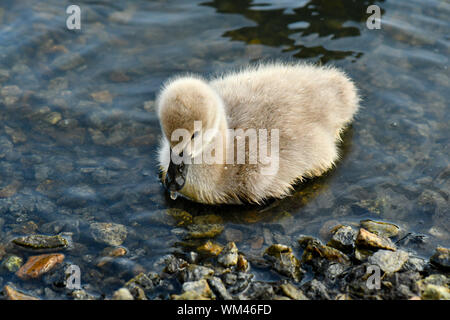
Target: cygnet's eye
181, 154
194, 135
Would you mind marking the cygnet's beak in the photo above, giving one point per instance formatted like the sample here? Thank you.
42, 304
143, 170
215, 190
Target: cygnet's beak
176, 175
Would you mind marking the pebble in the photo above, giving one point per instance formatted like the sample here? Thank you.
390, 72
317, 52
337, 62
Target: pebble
343, 239
284, 261
371, 240
210, 248
195, 290
292, 292
389, 261
380, 228
102, 96
41, 242
218, 287
234, 235
441, 258
196, 231
38, 265
12, 263
10, 190
113, 234
122, 294
315, 250
13, 294
229, 255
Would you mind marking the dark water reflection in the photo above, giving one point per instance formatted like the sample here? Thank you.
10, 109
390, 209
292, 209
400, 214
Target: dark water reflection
78, 130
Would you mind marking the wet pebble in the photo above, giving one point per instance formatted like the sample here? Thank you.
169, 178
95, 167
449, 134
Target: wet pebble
229, 255
380, 228
36, 266
41, 242
370, 240
284, 261
441, 258
113, 234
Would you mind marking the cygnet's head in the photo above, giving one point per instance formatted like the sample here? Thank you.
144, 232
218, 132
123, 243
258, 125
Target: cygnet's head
187, 108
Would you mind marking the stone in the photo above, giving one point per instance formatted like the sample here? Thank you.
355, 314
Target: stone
343, 239
10, 190
13, 294
229, 255
234, 235
210, 248
389, 261
284, 261
441, 258
102, 96
370, 240
195, 272
219, 289
122, 294
242, 263
292, 292
208, 219
315, 250
12, 263
113, 234
195, 290
380, 228
181, 217
434, 287
36, 266
38, 241
52, 118
196, 231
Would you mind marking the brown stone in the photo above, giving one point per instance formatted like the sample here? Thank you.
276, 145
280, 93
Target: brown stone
13, 294
371, 240
38, 265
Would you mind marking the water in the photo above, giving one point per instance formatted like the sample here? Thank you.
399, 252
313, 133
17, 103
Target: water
78, 133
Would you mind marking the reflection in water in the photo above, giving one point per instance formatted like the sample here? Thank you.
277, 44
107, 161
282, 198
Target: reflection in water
279, 28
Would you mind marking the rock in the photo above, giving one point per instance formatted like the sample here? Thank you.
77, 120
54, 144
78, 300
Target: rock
173, 264
13, 294
362, 254
242, 263
219, 289
210, 248
38, 265
441, 258
234, 235
11, 91
284, 261
415, 264
16, 135
327, 229
113, 234
292, 292
389, 261
195, 272
195, 290
315, 290
181, 217
435, 287
12, 263
67, 61
196, 231
315, 250
237, 282
380, 228
432, 292
52, 118
229, 255
41, 242
82, 295
258, 290
122, 294
10, 190
208, 219
343, 239
370, 240
102, 96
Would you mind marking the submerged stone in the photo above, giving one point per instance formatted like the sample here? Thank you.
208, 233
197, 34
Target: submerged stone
113, 234
13, 294
197, 231
343, 239
12, 263
38, 265
380, 228
210, 248
41, 242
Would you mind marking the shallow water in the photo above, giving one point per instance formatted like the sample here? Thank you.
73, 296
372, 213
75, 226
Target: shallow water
78, 134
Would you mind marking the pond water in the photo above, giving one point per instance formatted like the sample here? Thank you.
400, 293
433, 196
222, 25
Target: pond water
79, 133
